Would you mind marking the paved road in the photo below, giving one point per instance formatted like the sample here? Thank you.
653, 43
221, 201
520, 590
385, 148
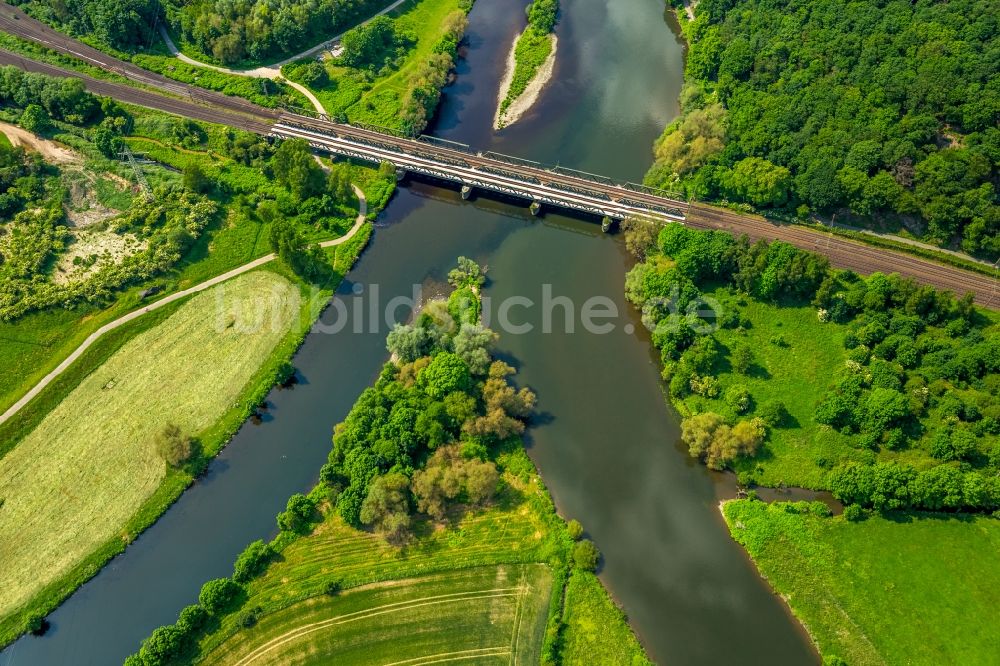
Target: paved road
135, 314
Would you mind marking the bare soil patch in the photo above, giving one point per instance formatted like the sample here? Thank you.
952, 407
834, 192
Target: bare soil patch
50, 150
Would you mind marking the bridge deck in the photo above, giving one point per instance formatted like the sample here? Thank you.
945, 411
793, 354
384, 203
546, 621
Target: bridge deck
561, 188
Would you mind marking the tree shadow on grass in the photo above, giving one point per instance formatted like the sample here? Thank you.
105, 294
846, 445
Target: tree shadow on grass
906, 517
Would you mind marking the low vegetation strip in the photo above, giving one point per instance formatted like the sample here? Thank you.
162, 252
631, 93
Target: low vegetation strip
77, 478
851, 582
458, 615
596, 630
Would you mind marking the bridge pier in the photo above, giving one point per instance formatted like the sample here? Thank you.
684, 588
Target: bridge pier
607, 223
466, 192
535, 208
400, 174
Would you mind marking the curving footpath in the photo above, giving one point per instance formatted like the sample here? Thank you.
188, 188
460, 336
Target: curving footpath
273, 71
135, 314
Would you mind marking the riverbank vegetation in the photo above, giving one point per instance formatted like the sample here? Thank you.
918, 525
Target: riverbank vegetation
883, 114
533, 51
847, 580
596, 631
428, 492
392, 69
791, 373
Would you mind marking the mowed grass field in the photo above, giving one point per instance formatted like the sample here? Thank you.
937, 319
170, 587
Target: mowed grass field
484, 615
848, 581
74, 481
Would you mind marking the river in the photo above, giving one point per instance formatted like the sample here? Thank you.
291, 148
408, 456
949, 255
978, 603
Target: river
605, 441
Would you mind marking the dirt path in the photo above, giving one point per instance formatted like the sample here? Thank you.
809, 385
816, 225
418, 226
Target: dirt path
50, 150
273, 71
135, 314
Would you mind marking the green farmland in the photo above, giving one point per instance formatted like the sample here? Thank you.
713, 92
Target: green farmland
913, 589
486, 615
75, 481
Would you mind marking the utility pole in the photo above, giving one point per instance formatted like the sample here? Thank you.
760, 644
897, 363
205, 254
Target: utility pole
126, 156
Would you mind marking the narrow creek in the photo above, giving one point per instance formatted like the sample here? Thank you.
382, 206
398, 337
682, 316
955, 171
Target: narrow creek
605, 442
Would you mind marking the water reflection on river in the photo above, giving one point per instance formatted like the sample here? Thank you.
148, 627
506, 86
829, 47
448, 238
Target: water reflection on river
605, 441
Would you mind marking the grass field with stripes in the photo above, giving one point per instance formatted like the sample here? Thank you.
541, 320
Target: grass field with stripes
482, 615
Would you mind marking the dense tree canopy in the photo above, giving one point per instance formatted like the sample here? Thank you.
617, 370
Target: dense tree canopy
118, 23
261, 29
420, 436
373, 45
884, 108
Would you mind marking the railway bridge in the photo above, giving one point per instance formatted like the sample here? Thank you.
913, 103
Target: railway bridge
534, 182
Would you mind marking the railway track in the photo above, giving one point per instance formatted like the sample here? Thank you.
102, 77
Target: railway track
193, 105
16, 22
853, 255
190, 101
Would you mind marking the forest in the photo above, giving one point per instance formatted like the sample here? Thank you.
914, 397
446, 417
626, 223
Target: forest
122, 24
426, 428
883, 112
233, 32
906, 412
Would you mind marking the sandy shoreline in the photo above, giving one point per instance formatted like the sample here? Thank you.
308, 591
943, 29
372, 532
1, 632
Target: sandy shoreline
524, 102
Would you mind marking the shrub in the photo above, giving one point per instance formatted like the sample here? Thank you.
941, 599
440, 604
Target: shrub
709, 437
36, 624
195, 178
34, 119
217, 594
161, 646
252, 561
173, 445
574, 529
192, 618
741, 359
249, 617
854, 513
774, 413
298, 513
738, 397
332, 587
585, 555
